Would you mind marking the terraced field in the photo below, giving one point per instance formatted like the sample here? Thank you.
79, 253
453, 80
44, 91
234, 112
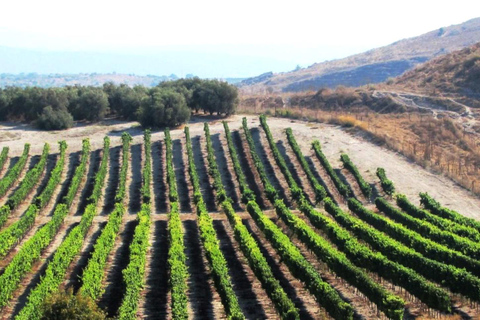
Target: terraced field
234, 220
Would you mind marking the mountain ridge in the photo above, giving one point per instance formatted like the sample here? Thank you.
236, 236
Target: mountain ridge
410, 52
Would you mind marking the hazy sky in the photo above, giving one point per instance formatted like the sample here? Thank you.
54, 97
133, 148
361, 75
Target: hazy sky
302, 31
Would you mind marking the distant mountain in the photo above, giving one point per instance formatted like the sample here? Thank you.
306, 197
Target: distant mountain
86, 79
373, 66
179, 61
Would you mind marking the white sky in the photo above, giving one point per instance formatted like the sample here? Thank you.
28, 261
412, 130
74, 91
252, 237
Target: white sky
339, 27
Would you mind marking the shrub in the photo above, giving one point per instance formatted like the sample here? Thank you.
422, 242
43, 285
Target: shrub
54, 120
67, 306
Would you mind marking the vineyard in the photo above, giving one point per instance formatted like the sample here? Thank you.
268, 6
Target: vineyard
239, 219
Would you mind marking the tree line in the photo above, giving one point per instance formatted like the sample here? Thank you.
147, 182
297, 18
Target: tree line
168, 104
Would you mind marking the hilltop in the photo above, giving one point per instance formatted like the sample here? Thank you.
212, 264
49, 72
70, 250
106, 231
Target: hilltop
373, 66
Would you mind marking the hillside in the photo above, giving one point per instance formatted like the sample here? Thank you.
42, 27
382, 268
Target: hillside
457, 73
373, 66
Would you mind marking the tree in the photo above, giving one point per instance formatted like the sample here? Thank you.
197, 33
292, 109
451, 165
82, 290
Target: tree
54, 120
163, 107
91, 104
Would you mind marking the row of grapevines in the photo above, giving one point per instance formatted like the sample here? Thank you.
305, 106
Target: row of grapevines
134, 273
412, 239
300, 267
122, 183
290, 254
363, 257
247, 193
456, 279
444, 224
213, 169
350, 166
392, 305
320, 191
16, 230
270, 191
176, 252
387, 184
208, 236
342, 187
429, 231
437, 209
27, 184
93, 274
30, 180
249, 246
12, 175
294, 188
54, 179
31, 251
3, 157
57, 267
66, 252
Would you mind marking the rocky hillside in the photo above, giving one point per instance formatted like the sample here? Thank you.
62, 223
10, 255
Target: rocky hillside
373, 66
454, 74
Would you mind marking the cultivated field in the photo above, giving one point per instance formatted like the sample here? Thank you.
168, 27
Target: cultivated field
298, 235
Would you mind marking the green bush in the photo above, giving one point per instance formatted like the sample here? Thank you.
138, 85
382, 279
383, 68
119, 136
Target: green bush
67, 306
54, 119
163, 108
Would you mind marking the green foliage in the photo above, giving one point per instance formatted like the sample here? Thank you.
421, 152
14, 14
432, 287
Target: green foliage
3, 157
78, 175
392, 305
436, 208
64, 255
387, 185
320, 192
88, 103
412, 239
54, 119
211, 96
93, 274
208, 236
456, 279
429, 231
29, 181
12, 175
300, 267
248, 245
270, 191
364, 186
444, 224
67, 306
124, 100
11, 235
176, 252
213, 168
54, 179
31, 251
342, 188
163, 108
364, 257
290, 254
134, 273
122, 184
